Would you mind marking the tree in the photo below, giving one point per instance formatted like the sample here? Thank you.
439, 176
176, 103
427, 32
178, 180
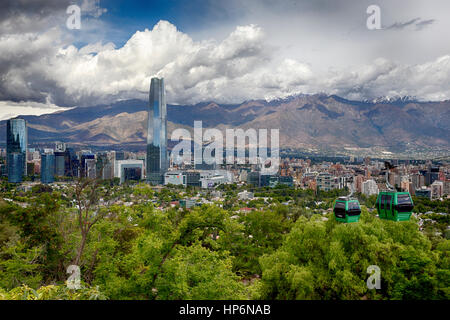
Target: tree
52, 292
328, 260
197, 273
38, 226
20, 265
88, 194
259, 232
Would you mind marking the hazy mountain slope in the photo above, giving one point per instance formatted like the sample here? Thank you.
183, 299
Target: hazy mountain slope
305, 120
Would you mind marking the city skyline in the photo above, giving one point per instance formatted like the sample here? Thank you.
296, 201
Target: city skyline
310, 70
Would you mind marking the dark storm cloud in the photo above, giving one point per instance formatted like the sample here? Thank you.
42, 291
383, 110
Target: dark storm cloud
31, 34
8, 8
17, 16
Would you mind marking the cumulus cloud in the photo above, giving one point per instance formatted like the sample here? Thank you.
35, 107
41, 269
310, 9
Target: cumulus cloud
383, 78
98, 73
44, 67
92, 8
23, 16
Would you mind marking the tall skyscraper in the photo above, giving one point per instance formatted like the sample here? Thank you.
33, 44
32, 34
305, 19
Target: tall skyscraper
15, 167
157, 159
83, 166
47, 168
16, 149
102, 165
73, 164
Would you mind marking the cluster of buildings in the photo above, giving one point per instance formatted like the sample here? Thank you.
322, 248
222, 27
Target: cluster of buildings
368, 176
63, 162
153, 165
364, 175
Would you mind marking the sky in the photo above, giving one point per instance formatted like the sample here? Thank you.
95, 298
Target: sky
224, 51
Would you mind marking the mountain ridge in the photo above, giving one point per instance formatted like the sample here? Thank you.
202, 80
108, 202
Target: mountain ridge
304, 120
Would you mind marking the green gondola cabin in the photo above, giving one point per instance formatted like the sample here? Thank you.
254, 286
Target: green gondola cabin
347, 210
395, 206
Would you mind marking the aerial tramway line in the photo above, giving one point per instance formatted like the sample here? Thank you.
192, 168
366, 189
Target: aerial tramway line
347, 209
391, 204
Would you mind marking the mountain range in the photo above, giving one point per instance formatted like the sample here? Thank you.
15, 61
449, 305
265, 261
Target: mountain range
304, 121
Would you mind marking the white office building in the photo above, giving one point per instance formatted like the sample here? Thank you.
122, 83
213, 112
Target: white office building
122, 166
175, 178
369, 187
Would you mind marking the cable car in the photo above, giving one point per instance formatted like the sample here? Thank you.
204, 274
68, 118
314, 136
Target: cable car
395, 206
391, 204
347, 210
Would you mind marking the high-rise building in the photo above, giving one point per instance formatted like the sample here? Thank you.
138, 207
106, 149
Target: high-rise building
16, 149
31, 170
47, 168
132, 174
286, 180
102, 164
90, 168
418, 180
369, 187
73, 163
327, 182
83, 166
253, 178
193, 179
157, 159
423, 192
358, 181
129, 170
63, 163
404, 183
15, 168
437, 189
433, 175
447, 187
105, 165
175, 178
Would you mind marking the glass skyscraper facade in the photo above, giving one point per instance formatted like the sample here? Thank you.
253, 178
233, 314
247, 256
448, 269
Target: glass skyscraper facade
61, 163
157, 158
73, 165
16, 149
47, 168
132, 174
15, 167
